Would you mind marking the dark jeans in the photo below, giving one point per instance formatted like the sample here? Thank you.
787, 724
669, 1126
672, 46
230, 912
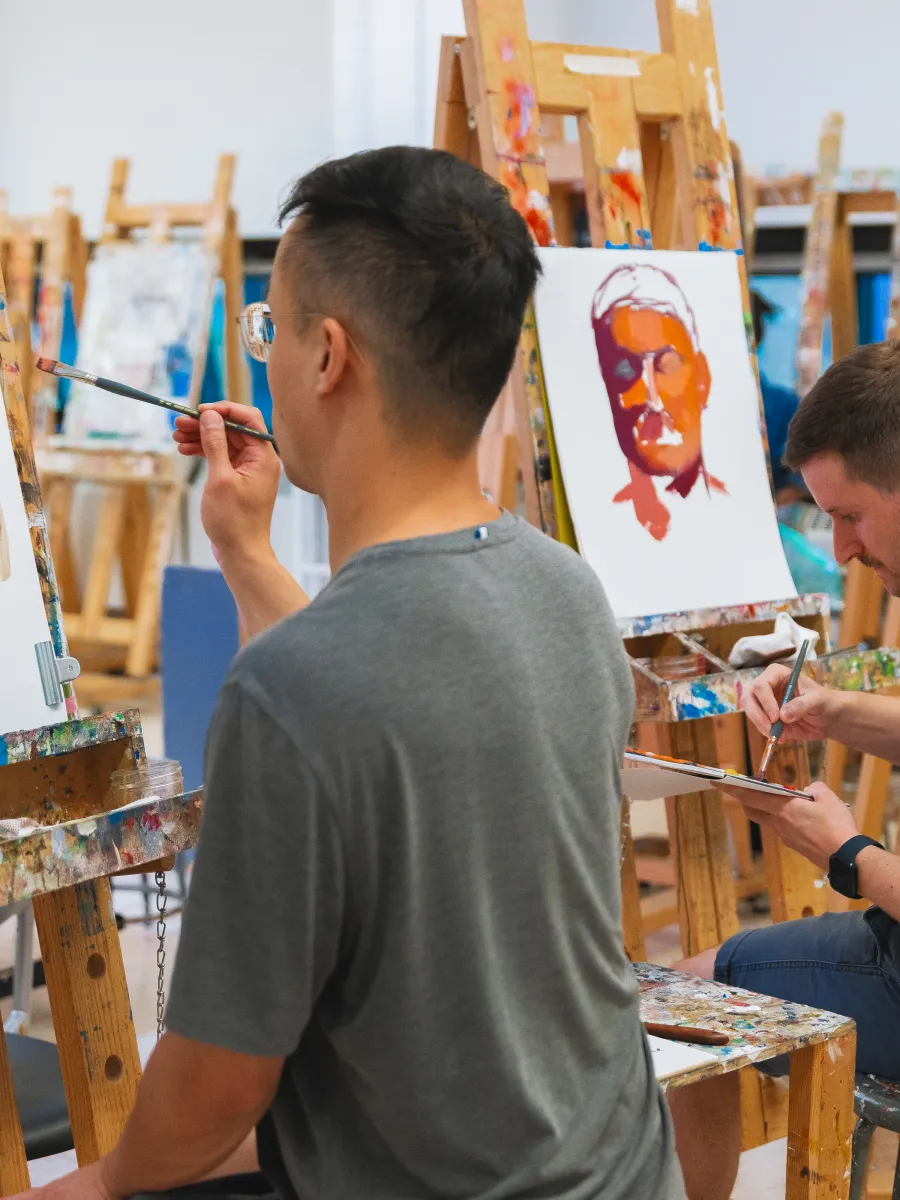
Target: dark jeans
229, 1187
844, 963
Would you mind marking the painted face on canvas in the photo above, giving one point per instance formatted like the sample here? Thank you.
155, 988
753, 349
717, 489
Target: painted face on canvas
866, 521
658, 385
657, 382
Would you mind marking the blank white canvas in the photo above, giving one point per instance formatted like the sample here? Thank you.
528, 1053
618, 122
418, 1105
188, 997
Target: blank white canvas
676, 1058
23, 620
142, 300
720, 549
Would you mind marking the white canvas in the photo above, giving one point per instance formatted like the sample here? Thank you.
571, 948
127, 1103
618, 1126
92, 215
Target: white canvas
145, 323
23, 621
719, 543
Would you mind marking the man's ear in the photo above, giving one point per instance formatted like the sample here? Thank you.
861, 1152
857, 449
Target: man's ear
704, 379
334, 353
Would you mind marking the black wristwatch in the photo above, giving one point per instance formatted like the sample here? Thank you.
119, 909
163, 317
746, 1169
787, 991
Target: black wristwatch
842, 873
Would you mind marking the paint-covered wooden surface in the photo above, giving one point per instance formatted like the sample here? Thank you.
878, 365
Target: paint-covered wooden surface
821, 1120
714, 691
501, 81
759, 1027
700, 140
817, 259
94, 847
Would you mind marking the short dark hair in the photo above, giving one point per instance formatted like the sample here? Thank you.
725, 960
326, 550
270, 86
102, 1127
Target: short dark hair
423, 255
853, 410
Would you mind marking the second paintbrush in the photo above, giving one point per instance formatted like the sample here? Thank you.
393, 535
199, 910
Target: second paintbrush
51, 367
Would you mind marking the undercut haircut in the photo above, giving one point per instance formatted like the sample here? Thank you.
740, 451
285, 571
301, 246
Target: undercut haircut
853, 410
430, 267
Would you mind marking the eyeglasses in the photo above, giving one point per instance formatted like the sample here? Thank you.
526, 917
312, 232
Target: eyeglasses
258, 329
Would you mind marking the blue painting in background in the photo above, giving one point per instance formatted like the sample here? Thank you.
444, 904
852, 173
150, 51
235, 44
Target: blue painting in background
213, 386
255, 288
781, 330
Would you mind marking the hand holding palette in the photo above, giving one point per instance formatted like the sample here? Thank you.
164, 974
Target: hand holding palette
655, 777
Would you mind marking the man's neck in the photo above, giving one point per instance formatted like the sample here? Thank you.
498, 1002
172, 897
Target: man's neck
401, 501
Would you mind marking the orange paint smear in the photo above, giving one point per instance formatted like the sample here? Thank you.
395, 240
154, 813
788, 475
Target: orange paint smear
625, 182
537, 219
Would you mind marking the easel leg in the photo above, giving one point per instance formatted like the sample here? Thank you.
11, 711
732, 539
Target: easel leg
631, 901
820, 1120
707, 903
142, 651
91, 1012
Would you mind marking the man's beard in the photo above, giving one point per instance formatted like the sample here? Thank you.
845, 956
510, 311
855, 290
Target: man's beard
890, 580
874, 563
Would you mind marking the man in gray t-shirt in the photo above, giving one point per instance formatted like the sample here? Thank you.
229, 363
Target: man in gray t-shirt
401, 958
408, 884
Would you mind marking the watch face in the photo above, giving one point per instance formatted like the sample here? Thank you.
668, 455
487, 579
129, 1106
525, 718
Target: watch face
842, 877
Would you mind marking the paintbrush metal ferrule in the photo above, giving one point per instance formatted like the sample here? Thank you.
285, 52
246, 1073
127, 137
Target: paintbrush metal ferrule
62, 371
771, 743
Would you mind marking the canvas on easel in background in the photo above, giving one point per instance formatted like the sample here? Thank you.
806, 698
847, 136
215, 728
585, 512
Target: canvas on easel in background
146, 323
43, 258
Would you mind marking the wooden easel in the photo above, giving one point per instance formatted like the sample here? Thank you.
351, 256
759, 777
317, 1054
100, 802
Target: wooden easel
643, 113
141, 490
61, 773
41, 256
650, 109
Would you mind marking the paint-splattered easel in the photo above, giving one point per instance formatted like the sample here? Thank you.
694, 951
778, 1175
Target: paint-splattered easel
42, 257
649, 139
650, 113
141, 490
54, 775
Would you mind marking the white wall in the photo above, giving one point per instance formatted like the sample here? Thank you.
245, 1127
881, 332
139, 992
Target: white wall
173, 83
784, 65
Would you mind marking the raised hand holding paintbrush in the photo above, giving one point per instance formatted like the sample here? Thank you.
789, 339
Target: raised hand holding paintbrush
242, 480
777, 728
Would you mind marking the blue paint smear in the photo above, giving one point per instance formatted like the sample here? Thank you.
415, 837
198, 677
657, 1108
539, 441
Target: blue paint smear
704, 245
4, 753
707, 704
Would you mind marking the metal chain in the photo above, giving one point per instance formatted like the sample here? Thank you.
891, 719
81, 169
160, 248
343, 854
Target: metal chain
161, 898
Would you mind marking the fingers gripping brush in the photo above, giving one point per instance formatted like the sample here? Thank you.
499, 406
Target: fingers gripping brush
778, 728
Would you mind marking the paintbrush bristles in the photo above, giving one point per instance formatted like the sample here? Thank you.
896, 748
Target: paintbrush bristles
50, 366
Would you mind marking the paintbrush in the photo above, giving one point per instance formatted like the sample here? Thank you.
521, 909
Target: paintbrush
684, 1033
778, 728
52, 367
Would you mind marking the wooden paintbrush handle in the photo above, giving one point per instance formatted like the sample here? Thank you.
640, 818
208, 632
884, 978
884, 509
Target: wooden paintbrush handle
686, 1033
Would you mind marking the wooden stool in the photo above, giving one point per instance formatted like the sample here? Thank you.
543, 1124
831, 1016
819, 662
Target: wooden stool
877, 1103
822, 1047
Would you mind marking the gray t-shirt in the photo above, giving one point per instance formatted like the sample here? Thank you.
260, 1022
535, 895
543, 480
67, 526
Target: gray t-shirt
408, 883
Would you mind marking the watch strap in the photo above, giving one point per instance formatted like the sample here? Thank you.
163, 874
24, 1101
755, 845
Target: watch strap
848, 852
